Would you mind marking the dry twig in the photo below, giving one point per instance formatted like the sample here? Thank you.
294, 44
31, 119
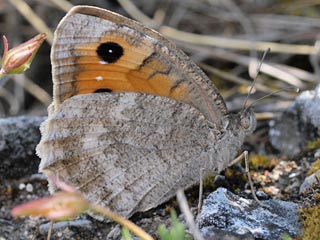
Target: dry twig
33, 18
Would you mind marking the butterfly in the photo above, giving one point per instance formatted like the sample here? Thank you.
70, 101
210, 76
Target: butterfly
133, 119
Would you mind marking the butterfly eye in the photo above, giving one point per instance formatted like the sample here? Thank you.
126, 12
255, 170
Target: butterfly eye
245, 122
109, 52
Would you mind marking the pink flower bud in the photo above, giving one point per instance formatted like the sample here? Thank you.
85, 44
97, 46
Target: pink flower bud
63, 205
57, 207
19, 58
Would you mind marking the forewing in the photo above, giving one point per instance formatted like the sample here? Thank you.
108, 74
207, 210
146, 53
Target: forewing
149, 64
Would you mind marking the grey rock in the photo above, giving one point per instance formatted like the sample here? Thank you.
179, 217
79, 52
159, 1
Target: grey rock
241, 218
298, 125
18, 139
310, 181
79, 223
212, 233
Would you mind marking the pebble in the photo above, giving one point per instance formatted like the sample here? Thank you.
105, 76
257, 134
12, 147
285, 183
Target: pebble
29, 187
22, 186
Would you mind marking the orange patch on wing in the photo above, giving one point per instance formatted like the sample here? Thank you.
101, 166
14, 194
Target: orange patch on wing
134, 71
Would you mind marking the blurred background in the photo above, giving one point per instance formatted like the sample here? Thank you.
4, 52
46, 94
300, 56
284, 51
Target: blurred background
226, 38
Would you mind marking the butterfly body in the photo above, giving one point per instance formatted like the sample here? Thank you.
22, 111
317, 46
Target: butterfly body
133, 118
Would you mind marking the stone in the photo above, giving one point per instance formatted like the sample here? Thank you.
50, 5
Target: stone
241, 218
78, 223
18, 139
310, 181
298, 125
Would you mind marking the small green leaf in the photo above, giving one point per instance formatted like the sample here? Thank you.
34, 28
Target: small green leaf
286, 237
126, 234
177, 231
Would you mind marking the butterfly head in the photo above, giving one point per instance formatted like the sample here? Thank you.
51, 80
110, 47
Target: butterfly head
247, 120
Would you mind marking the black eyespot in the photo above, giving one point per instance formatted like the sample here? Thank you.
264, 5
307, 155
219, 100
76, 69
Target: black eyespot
102, 90
109, 52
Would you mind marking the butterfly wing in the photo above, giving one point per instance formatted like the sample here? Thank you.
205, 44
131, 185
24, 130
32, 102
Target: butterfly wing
132, 147
98, 50
128, 151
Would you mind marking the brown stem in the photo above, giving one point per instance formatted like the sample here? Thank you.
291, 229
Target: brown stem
122, 221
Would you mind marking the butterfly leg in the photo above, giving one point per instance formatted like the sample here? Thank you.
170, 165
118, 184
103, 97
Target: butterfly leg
200, 190
244, 156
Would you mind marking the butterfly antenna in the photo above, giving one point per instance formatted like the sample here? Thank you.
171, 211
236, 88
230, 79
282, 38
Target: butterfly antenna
244, 108
287, 89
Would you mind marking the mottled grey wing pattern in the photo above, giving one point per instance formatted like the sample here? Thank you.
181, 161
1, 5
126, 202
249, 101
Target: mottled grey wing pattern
128, 151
